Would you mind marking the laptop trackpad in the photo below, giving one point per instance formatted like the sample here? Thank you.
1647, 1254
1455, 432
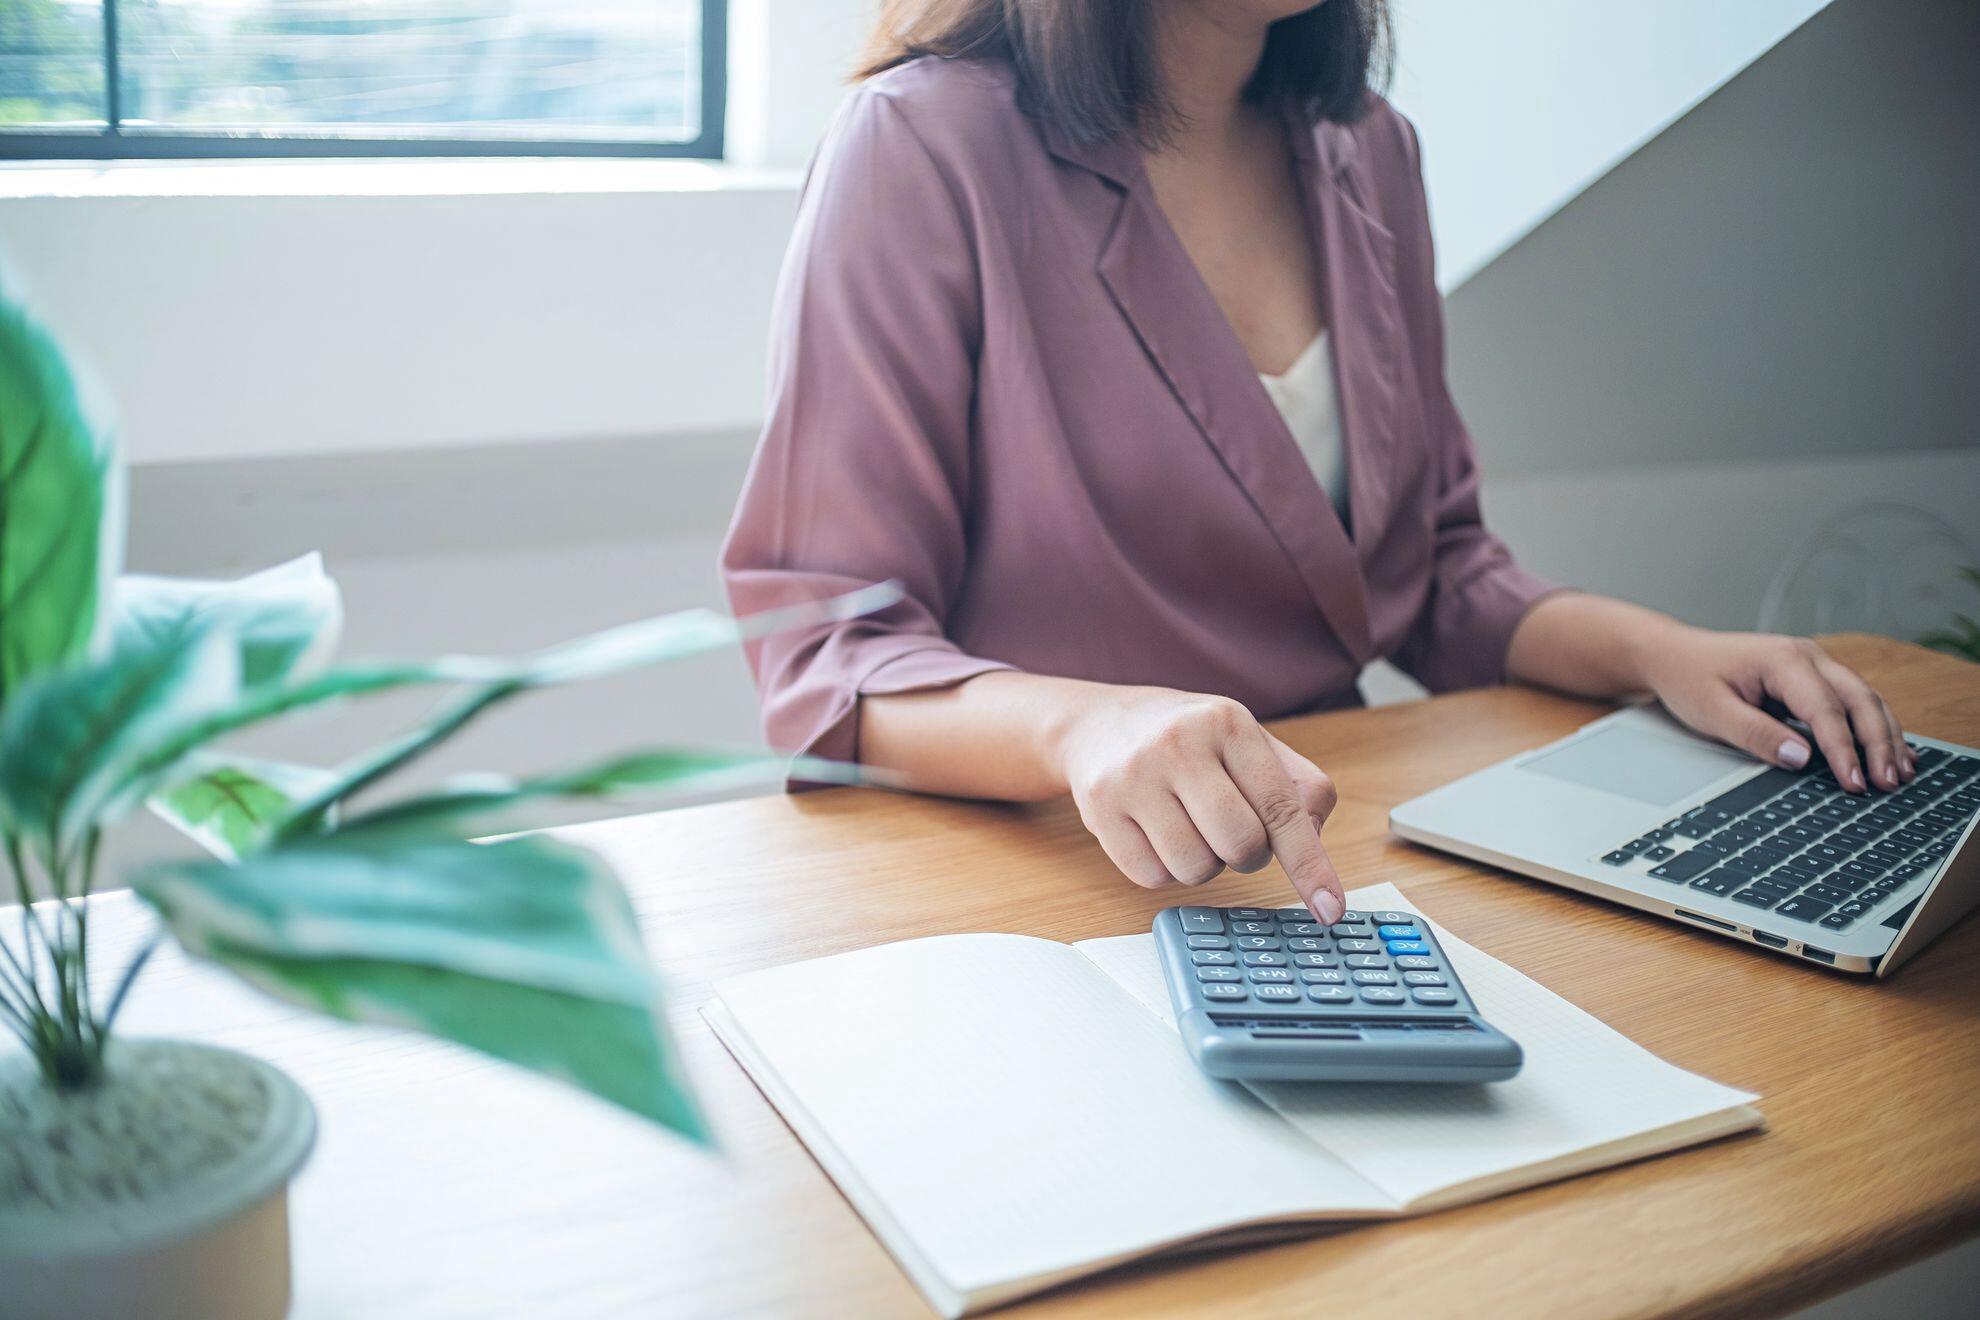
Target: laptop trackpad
1638, 764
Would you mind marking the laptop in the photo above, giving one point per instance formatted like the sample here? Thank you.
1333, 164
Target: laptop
1637, 809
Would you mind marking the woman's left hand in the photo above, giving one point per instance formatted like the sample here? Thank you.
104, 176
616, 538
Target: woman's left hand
1715, 682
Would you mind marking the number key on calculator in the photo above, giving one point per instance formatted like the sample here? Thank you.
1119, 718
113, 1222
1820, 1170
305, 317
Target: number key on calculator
1271, 994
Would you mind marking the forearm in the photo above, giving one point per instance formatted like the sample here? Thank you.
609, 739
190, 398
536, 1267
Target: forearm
993, 736
1592, 646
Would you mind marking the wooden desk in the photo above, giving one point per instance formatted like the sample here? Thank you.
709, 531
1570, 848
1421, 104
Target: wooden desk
444, 1185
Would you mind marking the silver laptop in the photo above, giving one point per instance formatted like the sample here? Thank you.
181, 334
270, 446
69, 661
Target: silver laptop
1636, 808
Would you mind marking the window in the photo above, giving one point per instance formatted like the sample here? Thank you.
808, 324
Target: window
98, 79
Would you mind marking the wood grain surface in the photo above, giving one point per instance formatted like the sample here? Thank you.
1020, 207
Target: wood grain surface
448, 1186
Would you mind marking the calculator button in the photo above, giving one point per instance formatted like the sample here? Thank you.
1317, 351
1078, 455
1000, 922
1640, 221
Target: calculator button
1251, 914
1330, 994
1209, 942
1350, 930
1301, 928
1400, 933
1392, 919
1293, 914
1411, 947
1315, 960
1201, 920
1370, 976
1268, 975
1359, 946
1299, 944
1323, 976
1208, 974
1223, 992
1416, 962
1252, 928
1424, 978
1257, 942
1265, 958
1277, 994
1366, 960
1213, 958
1435, 998
1353, 918
1381, 994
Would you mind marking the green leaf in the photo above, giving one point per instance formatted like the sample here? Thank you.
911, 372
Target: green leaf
651, 641
68, 736
524, 949
229, 806
60, 529
466, 805
285, 618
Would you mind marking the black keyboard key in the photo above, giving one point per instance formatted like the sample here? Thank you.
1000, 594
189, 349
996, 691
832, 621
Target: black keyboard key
1847, 843
1903, 873
1634, 846
1759, 898
1720, 883
1684, 866
1863, 830
1800, 834
1838, 920
1872, 895
1744, 865
1931, 756
1824, 852
1768, 816
1659, 852
1658, 835
1616, 858
1860, 870
1693, 829
1778, 885
1803, 908
1742, 797
1827, 893
1771, 852
1847, 805
1910, 838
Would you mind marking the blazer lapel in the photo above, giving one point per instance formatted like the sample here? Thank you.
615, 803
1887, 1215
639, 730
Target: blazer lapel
1364, 319
1157, 288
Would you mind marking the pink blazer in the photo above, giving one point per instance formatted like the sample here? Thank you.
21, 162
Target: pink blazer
997, 378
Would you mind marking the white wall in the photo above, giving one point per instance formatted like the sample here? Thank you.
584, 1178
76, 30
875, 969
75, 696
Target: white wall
1523, 103
252, 309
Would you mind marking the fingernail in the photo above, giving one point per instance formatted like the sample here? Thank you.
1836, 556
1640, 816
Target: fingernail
1793, 755
1856, 778
1327, 908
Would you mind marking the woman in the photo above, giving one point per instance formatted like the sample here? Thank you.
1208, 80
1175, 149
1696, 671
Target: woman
1109, 331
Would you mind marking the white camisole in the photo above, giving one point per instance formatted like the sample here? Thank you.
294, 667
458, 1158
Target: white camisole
1304, 396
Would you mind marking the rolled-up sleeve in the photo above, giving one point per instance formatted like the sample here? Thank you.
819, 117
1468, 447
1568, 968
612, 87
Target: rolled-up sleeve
862, 474
1478, 592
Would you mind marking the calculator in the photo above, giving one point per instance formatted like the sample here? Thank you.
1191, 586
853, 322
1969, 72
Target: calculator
1270, 994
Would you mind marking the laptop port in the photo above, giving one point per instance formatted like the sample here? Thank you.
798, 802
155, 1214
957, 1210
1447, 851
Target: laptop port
1819, 955
1771, 941
1707, 921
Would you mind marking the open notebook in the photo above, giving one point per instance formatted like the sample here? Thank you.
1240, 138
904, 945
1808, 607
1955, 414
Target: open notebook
1009, 1113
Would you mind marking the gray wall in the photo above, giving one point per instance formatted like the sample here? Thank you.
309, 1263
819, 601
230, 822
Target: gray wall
1791, 269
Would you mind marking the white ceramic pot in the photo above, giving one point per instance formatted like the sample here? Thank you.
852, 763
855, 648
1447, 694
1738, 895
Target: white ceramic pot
209, 1242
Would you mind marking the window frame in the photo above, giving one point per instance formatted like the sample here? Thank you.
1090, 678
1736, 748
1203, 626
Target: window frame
110, 142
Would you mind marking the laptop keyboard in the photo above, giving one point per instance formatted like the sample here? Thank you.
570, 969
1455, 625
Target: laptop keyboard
1798, 845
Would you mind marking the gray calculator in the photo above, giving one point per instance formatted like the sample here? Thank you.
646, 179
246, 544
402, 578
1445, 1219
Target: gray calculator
1269, 994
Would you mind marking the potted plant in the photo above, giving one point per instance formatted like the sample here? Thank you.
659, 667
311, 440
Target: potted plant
146, 1176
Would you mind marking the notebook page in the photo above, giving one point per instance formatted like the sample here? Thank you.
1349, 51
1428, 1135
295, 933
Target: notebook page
1586, 1096
999, 1111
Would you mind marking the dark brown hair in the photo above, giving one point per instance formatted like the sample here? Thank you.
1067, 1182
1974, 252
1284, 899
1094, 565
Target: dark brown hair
1089, 66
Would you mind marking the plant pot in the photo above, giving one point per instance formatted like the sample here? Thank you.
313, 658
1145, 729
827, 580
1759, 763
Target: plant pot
161, 1191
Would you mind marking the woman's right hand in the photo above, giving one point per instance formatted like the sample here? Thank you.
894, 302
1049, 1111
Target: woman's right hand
1177, 786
